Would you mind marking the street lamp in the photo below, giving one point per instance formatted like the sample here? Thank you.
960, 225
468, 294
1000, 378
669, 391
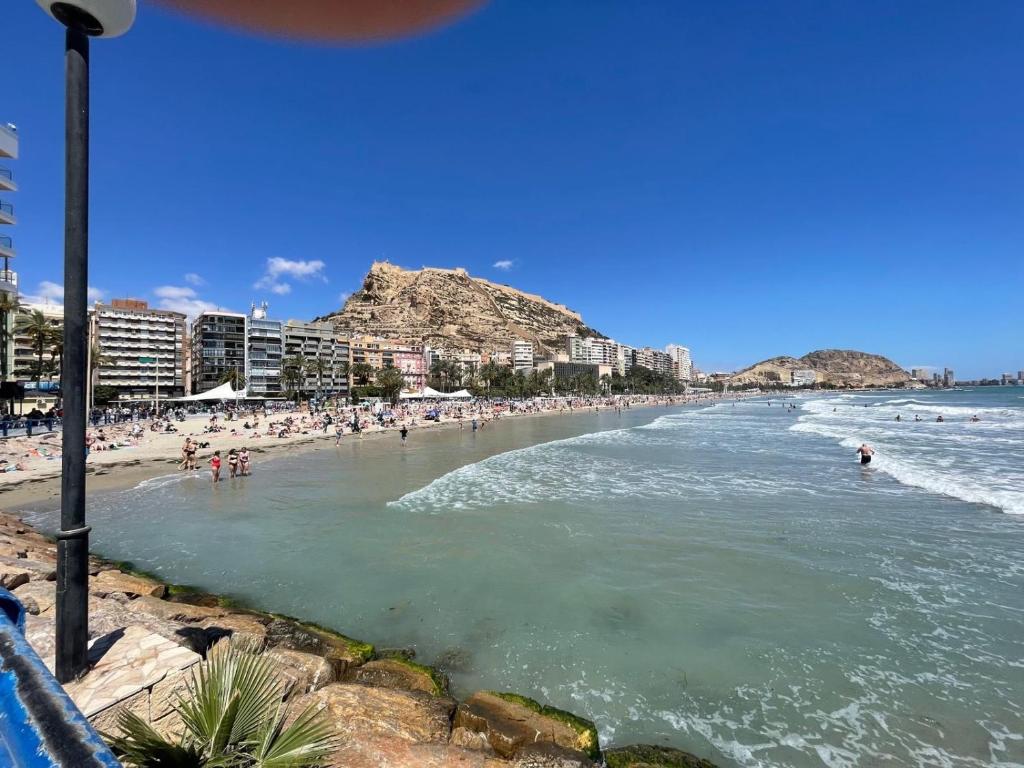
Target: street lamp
83, 19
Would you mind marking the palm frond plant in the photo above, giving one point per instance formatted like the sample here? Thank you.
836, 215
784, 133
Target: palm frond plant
233, 716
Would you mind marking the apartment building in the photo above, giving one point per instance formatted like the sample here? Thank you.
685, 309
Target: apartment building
219, 348
319, 341
265, 350
141, 350
522, 355
8, 278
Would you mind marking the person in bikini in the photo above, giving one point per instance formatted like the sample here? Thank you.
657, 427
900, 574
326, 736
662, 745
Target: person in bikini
232, 463
243, 461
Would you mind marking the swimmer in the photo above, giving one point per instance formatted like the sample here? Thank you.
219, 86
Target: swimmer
898, 417
975, 419
939, 419
865, 452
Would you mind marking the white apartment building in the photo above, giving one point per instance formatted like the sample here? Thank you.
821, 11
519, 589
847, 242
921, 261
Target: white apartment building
522, 355
314, 341
682, 365
142, 350
804, 377
265, 350
8, 278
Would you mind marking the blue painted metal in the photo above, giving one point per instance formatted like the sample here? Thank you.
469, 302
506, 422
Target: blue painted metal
40, 727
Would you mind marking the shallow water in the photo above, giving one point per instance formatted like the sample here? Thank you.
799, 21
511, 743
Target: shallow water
728, 580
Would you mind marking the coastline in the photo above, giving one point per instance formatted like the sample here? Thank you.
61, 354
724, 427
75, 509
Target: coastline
121, 470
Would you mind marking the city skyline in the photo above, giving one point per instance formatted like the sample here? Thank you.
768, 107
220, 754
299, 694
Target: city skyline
841, 201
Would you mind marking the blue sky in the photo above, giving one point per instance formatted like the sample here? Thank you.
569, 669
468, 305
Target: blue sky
748, 178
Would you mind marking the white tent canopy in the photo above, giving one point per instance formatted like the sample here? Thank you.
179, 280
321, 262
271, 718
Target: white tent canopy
223, 392
429, 393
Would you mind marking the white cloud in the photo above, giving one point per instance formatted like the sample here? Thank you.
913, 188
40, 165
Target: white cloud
288, 268
193, 279
180, 298
504, 264
52, 293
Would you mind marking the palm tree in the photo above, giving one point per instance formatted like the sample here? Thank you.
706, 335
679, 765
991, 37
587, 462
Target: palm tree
294, 370
8, 304
41, 332
362, 372
317, 366
390, 382
232, 715
344, 369
97, 360
235, 377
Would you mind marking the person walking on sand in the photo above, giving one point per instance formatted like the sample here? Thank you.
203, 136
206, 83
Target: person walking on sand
215, 466
865, 452
339, 430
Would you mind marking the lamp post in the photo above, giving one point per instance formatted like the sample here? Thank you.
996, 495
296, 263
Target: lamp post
83, 19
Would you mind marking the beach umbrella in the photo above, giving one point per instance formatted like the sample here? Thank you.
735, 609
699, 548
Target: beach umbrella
338, 21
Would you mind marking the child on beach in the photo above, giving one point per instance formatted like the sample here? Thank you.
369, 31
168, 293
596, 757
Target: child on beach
215, 466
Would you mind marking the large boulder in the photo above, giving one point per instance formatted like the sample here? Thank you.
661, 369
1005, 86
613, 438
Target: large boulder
547, 755
653, 756
19, 570
38, 597
342, 651
107, 582
401, 674
183, 612
362, 712
247, 627
303, 672
107, 616
511, 722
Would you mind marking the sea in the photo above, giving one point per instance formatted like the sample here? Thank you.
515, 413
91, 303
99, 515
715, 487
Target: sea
728, 580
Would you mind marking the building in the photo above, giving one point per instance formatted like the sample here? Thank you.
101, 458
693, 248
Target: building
919, 374
219, 348
948, 378
1020, 377
682, 365
264, 353
319, 341
803, 377
142, 350
522, 355
8, 278
413, 365
366, 350
1007, 378
34, 366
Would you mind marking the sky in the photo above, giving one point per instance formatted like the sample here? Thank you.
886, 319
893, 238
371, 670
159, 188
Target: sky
750, 178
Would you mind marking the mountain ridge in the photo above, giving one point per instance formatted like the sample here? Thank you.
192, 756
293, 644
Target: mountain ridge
835, 367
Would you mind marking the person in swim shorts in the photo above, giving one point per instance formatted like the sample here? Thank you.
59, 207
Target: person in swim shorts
865, 452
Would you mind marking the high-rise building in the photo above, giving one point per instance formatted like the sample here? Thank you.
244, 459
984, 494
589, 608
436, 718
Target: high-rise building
218, 350
682, 365
141, 350
33, 361
265, 349
319, 342
1007, 378
919, 374
522, 355
8, 278
948, 378
1020, 376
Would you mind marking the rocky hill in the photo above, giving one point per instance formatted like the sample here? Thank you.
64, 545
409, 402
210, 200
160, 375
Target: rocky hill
838, 367
447, 308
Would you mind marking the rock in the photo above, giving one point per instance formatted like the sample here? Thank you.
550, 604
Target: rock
362, 712
106, 582
240, 626
12, 578
550, 756
343, 652
34, 569
183, 612
467, 739
303, 671
41, 633
408, 654
38, 597
391, 753
510, 722
396, 673
652, 756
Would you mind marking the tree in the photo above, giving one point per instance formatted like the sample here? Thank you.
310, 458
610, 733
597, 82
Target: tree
232, 715
41, 333
362, 372
317, 367
344, 370
390, 382
104, 394
293, 370
9, 304
443, 373
235, 377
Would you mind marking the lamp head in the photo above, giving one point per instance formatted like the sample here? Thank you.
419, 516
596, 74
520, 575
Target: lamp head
96, 18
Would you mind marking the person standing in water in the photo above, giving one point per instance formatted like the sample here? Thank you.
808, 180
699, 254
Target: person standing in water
865, 452
404, 432
215, 466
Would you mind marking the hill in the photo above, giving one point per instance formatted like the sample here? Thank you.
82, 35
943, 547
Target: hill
837, 367
447, 308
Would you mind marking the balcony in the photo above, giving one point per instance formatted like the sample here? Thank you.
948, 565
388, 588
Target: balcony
6, 247
7, 214
7, 181
8, 281
8, 141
